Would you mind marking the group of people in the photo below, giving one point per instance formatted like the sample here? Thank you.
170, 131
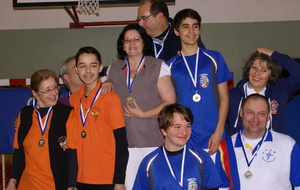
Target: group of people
157, 120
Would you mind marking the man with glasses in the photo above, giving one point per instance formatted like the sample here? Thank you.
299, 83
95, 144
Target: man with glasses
153, 16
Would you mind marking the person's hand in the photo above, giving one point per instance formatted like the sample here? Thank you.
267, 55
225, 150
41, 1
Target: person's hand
11, 184
107, 86
214, 142
120, 187
72, 188
265, 51
134, 110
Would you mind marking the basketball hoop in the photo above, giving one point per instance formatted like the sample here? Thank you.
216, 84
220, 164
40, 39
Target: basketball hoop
88, 7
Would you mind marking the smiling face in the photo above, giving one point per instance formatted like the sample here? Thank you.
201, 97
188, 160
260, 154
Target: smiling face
188, 31
47, 93
88, 68
258, 75
133, 43
255, 115
177, 135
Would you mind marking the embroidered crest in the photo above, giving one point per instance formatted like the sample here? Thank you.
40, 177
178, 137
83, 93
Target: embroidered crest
192, 184
268, 155
63, 142
274, 106
204, 81
94, 112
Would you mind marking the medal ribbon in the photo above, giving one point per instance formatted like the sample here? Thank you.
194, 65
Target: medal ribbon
182, 165
162, 44
257, 147
42, 125
194, 79
130, 82
84, 117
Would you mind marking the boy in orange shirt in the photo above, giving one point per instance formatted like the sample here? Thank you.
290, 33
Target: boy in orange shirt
97, 128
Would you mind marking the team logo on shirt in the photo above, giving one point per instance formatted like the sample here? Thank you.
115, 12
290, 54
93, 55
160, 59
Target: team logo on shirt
63, 142
94, 112
192, 184
204, 81
274, 106
269, 155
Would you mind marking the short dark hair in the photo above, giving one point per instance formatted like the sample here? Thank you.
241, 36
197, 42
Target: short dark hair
147, 50
275, 68
166, 115
186, 13
89, 50
255, 96
157, 6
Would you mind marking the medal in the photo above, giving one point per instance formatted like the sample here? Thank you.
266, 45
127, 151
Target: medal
41, 143
130, 81
130, 100
196, 97
83, 134
42, 124
94, 112
248, 174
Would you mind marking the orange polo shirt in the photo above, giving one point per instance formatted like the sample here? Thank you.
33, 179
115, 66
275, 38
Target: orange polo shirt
96, 152
37, 173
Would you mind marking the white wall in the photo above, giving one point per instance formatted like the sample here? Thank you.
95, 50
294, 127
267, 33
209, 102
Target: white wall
212, 11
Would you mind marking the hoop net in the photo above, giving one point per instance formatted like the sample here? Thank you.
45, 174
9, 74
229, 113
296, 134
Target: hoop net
88, 7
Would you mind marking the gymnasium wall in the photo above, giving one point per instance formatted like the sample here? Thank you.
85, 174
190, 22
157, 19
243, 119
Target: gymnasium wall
24, 51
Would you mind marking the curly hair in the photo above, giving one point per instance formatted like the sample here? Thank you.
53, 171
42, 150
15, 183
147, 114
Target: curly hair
271, 65
147, 50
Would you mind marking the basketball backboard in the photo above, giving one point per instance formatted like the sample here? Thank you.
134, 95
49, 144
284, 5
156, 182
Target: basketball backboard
62, 3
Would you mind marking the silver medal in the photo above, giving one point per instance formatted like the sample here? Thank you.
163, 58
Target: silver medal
196, 97
248, 174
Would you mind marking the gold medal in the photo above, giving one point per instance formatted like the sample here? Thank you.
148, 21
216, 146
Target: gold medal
94, 112
41, 143
83, 134
130, 100
248, 174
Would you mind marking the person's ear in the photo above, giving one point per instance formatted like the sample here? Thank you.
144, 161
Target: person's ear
66, 77
176, 32
160, 16
34, 94
100, 68
163, 132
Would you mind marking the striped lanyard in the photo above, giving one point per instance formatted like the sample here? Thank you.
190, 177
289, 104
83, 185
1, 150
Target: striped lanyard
84, 117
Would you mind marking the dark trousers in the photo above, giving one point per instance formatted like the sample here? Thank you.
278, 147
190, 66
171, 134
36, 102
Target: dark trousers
84, 186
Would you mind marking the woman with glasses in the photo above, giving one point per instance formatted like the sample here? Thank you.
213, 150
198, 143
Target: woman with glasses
40, 159
145, 87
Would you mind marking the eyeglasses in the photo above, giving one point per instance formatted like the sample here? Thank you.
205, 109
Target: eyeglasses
133, 40
49, 90
143, 18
